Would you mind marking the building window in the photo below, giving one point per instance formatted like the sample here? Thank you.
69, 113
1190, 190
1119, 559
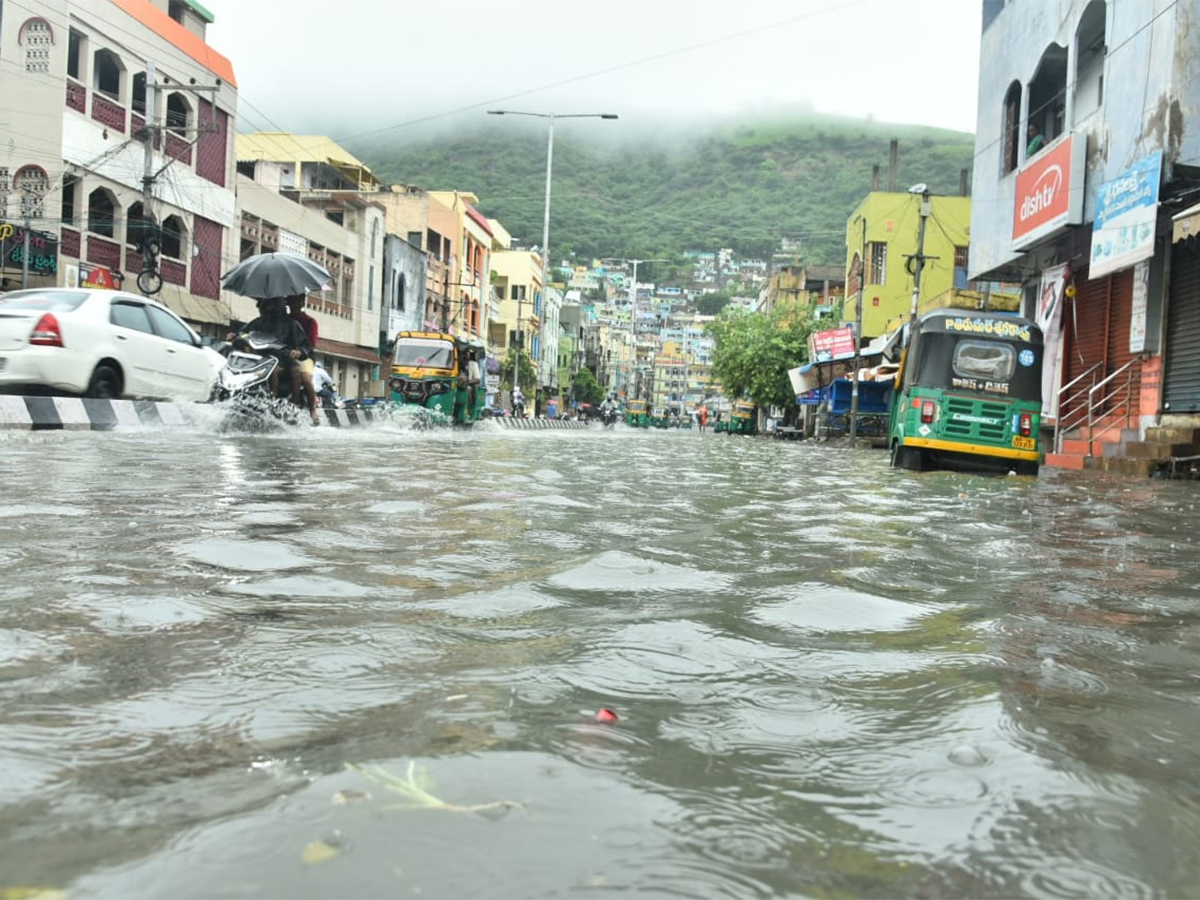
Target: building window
70, 194
1090, 51
399, 294
75, 42
106, 74
138, 226
174, 237
4, 183
877, 253
1012, 128
137, 93
961, 260
175, 9
1047, 95
374, 237
32, 183
178, 113
102, 209
370, 288
518, 292
37, 39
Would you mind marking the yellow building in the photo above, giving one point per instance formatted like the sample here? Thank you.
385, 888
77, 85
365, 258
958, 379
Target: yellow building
516, 283
883, 232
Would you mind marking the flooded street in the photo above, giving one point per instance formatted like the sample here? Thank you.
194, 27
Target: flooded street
366, 663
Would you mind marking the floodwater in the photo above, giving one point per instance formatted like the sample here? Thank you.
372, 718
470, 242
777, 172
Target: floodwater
367, 663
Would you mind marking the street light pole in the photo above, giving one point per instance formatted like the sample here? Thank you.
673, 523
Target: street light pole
919, 259
550, 117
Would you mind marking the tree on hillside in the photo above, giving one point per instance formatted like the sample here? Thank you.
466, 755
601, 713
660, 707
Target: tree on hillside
712, 304
753, 352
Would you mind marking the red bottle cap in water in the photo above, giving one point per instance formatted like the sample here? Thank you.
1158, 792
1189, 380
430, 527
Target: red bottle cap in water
605, 715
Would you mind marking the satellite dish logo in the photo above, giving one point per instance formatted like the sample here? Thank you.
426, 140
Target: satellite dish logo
1041, 196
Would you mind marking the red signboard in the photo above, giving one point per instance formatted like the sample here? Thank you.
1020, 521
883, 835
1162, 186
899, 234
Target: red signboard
837, 343
95, 276
1049, 191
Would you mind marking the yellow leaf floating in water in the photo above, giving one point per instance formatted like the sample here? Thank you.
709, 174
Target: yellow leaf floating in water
318, 852
32, 893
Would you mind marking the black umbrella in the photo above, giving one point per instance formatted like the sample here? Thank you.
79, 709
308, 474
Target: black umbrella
276, 275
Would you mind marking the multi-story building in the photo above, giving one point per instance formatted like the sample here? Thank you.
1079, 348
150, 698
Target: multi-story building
516, 283
321, 216
467, 293
118, 156
883, 236
1085, 153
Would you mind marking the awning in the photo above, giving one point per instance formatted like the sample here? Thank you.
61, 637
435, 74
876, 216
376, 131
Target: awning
1187, 224
348, 351
885, 345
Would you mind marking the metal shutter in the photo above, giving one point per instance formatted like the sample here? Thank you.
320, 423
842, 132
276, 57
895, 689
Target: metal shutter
1085, 336
1181, 383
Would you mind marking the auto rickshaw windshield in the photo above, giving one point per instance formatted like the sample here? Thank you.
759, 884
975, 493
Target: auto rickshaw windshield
424, 353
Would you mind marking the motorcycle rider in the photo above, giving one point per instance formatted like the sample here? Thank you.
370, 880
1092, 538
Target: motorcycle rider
323, 385
273, 320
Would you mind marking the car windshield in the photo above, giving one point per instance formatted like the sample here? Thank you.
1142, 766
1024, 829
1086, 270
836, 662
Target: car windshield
424, 353
44, 301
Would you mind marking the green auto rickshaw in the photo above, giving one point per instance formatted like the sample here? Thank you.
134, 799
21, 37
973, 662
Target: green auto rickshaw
636, 415
743, 419
438, 374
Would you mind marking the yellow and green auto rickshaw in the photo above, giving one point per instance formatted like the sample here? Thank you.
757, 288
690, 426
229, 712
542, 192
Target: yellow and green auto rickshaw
438, 373
636, 415
743, 419
659, 418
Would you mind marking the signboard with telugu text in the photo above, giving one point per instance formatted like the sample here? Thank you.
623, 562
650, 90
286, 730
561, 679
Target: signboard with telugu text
43, 249
836, 343
1126, 214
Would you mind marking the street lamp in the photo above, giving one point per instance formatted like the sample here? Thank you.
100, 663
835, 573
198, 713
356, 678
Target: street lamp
546, 217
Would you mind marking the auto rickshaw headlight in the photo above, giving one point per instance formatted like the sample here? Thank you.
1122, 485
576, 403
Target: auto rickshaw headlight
396, 384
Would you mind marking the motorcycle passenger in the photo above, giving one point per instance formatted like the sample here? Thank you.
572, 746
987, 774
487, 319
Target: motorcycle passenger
273, 320
304, 386
323, 386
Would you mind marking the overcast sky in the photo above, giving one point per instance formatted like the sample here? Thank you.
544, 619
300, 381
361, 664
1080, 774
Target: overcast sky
350, 67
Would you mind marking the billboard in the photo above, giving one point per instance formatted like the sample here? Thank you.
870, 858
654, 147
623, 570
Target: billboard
1049, 192
1126, 213
836, 343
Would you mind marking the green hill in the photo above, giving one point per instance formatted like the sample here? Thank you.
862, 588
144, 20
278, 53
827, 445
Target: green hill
745, 185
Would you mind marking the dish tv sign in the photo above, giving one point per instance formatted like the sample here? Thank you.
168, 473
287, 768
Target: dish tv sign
1049, 193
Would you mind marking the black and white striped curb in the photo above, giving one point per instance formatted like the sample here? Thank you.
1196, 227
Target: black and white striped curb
535, 424
75, 414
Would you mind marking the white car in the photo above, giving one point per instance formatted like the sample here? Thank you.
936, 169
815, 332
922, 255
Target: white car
98, 343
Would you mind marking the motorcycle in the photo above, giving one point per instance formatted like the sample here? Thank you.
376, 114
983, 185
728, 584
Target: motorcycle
608, 417
243, 385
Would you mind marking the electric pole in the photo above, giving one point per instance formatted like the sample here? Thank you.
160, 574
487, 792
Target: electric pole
919, 259
858, 317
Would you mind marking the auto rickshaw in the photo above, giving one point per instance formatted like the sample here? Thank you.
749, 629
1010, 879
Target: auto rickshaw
636, 415
439, 373
659, 418
968, 395
743, 419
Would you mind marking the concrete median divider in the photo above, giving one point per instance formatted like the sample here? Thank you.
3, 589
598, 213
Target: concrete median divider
76, 414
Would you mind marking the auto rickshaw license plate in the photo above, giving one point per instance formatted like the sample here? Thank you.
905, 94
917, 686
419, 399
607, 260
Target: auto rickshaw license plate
1024, 443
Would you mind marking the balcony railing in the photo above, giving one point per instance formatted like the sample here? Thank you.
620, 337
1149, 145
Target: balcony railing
108, 113
76, 96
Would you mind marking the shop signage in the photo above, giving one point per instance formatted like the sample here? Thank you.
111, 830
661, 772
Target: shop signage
1126, 212
43, 249
837, 343
1049, 192
1137, 320
92, 276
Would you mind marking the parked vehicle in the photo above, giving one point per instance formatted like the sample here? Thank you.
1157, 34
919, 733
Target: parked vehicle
874, 407
636, 415
439, 374
97, 343
743, 419
969, 394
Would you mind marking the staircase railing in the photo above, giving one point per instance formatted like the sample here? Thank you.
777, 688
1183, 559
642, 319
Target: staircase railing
1072, 397
1114, 396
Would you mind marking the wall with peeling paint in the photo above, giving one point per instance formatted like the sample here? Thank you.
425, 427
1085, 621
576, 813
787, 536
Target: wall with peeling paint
1151, 93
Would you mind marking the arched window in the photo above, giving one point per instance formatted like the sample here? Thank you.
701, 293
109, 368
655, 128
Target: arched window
399, 287
1090, 51
174, 237
137, 93
138, 225
1012, 128
102, 212
1048, 94
32, 184
37, 38
106, 74
178, 113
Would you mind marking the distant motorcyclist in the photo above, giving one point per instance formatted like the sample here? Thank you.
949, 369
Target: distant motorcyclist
273, 321
323, 385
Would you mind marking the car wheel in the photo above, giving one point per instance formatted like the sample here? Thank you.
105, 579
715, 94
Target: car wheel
105, 383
